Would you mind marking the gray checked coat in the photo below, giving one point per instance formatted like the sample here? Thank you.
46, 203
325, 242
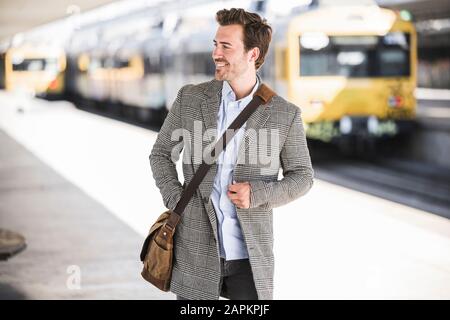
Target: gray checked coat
196, 266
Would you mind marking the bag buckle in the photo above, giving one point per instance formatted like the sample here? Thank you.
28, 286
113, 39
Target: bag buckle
168, 226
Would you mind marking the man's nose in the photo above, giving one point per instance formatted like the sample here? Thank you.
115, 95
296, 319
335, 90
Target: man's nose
217, 53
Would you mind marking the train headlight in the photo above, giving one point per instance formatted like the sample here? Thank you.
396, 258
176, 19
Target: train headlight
395, 101
345, 125
372, 125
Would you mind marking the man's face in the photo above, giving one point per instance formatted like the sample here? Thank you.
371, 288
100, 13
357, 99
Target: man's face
229, 55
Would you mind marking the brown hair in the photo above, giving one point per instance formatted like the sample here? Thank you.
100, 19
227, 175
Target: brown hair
257, 33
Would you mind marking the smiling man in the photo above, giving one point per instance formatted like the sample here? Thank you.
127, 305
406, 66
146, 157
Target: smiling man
223, 245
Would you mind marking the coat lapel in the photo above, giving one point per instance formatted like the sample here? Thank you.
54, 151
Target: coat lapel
210, 108
209, 112
256, 121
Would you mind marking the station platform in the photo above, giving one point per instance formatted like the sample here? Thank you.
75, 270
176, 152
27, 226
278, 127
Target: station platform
79, 188
433, 108
76, 249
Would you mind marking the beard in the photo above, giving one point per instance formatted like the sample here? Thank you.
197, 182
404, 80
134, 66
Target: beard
222, 73
230, 71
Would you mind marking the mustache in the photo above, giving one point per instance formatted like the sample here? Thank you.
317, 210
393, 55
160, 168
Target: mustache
218, 61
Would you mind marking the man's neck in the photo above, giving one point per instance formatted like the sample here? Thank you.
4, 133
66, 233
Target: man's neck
243, 86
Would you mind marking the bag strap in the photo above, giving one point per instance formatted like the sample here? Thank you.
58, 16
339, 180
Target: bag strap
262, 96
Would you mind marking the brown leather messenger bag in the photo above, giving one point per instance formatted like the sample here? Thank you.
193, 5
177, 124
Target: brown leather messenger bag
157, 250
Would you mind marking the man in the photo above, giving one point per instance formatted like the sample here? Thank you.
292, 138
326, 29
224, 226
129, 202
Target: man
223, 245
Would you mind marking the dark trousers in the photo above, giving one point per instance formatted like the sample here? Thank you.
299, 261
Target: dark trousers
236, 280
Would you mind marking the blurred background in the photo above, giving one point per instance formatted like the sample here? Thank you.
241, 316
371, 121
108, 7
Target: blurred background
86, 85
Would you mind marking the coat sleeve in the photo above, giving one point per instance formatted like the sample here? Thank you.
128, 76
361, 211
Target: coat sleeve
297, 171
165, 153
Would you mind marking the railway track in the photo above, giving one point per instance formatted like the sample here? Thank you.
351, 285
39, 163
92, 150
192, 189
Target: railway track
408, 182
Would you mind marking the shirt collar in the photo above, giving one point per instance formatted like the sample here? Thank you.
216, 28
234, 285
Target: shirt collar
228, 92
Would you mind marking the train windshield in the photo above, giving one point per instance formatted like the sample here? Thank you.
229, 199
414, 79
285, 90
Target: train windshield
355, 56
35, 64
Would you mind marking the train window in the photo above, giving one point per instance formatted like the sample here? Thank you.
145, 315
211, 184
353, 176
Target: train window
35, 64
122, 63
187, 66
396, 39
199, 63
108, 63
357, 56
152, 64
393, 55
393, 64
210, 68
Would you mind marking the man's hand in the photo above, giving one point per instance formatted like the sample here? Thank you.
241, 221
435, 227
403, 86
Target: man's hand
239, 194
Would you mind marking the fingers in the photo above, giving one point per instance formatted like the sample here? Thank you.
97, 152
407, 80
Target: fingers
233, 196
236, 193
238, 186
234, 187
239, 194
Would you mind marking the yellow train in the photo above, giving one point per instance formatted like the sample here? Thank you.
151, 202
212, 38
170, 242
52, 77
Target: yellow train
35, 70
352, 70
127, 79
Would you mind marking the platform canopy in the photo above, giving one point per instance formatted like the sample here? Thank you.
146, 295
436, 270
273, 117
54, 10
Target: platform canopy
420, 9
22, 15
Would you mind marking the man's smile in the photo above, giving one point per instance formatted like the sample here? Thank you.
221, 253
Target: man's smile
221, 64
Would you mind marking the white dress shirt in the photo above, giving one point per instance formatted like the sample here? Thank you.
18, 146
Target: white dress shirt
231, 241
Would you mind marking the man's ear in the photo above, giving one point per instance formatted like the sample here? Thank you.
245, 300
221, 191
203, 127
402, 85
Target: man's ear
254, 55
